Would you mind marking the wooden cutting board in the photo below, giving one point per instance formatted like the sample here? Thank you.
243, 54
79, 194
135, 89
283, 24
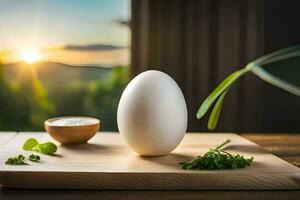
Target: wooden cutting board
107, 163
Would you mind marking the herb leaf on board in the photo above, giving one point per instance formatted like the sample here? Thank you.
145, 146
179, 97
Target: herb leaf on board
30, 143
34, 158
46, 148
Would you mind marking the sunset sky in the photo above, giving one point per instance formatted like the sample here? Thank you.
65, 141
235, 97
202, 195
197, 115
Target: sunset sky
73, 32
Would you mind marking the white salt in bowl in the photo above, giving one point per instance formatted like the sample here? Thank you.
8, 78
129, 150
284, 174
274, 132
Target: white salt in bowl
72, 130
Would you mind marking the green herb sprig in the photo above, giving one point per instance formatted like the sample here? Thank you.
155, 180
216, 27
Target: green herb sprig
216, 159
17, 160
32, 144
34, 158
218, 94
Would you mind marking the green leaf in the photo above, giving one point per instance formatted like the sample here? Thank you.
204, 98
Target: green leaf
30, 144
282, 57
215, 114
269, 78
48, 148
271, 57
218, 91
255, 67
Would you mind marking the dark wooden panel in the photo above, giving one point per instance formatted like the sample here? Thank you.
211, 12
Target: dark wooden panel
228, 53
140, 30
282, 28
199, 43
252, 108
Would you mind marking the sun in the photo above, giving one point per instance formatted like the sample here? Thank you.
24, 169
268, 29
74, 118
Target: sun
30, 55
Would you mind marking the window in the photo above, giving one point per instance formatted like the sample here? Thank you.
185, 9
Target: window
61, 57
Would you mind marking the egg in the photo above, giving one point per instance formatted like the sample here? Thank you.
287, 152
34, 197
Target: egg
152, 114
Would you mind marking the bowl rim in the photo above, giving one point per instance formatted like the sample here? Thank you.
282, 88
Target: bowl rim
49, 124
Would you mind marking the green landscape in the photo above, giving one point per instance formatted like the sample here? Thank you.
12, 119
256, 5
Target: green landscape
30, 94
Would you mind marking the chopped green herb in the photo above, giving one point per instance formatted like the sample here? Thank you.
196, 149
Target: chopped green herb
34, 158
46, 148
17, 160
216, 159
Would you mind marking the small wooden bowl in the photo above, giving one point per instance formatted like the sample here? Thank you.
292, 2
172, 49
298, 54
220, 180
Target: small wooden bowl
72, 134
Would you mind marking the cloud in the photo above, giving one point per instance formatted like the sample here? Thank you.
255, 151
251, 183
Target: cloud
92, 47
124, 22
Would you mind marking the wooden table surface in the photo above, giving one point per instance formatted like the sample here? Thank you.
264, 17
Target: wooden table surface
285, 146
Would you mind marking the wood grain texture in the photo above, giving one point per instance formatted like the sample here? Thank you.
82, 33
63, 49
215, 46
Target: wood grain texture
284, 145
5, 137
145, 195
107, 163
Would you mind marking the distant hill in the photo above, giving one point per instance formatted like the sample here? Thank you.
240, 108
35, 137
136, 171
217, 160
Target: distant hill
50, 73
61, 90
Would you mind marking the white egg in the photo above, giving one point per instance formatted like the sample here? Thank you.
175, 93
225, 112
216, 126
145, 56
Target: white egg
152, 114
